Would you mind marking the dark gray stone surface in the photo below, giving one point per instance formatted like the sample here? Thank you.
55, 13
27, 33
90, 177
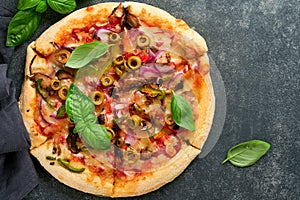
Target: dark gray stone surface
255, 45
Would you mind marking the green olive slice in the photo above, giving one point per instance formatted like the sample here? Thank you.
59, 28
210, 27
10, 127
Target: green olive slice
134, 62
107, 80
120, 142
97, 97
62, 92
114, 37
111, 132
55, 84
118, 71
143, 40
119, 60
131, 156
62, 56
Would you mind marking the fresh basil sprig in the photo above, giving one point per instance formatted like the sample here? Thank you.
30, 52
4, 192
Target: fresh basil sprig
84, 54
41, 7
247, 153
22, 26
27, 19
80, 109
182, 112
26, 4
62, 6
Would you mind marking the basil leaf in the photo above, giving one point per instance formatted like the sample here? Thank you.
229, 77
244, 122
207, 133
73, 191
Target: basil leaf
41, 7
182, 112
96, 136
80, 126
247, 153
79, 106
84, 54
26, 4
22, 26
80, 109
62, 6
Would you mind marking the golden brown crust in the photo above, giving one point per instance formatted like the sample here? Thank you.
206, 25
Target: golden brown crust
27, 100
203, 90
86, 181
59, 33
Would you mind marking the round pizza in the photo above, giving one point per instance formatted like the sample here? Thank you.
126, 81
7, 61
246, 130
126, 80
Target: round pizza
117, 98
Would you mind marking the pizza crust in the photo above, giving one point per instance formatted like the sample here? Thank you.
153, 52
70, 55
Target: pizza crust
85, 181
27, 100
203, 90
36, 62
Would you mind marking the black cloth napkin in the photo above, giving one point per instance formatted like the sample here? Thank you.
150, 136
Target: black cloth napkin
17, 173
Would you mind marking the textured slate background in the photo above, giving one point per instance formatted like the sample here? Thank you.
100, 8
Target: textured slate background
255, 44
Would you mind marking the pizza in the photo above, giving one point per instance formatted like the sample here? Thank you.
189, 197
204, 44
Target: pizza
117, 98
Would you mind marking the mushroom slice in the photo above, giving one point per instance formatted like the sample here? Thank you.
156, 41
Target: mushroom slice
62, 74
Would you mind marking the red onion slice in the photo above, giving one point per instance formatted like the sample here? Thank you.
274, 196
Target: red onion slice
153, 57
148, 72
42, 112
164, 68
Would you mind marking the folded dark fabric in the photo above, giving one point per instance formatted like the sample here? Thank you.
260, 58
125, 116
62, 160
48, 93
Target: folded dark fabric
17, 173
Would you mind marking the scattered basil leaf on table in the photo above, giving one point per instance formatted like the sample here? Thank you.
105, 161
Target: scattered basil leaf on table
84, 54
26, 4
26, 20
247, 153
182, 112
22, 26
41, 7
80, 109
62, 6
